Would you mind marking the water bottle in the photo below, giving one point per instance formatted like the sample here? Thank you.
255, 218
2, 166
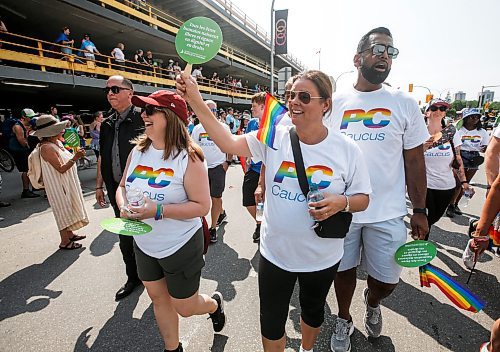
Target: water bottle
314, 195
464, 202
135, 197
259, 212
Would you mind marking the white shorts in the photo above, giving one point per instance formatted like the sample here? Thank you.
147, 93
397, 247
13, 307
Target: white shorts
376, 243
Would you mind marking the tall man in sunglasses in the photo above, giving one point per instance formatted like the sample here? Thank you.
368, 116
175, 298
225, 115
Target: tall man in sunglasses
124, 124
390, 130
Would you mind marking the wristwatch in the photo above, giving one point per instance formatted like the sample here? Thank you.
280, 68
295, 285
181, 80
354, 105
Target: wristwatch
420, 211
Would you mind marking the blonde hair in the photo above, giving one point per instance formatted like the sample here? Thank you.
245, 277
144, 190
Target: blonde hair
176, 139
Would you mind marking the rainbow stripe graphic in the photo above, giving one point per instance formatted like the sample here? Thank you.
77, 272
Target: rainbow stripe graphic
455, 292
472, 139
273, 112
204, 136
287, 169
147, 173
357, 115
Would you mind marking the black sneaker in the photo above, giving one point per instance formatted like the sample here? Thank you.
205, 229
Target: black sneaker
178, 349
457, 210
218, 317
256, 234
450, 212
28, 194
213, 235
222, 218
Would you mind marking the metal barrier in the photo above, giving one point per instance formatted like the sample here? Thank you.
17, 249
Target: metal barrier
45, 55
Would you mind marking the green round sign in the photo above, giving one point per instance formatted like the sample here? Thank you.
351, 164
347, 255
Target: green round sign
416, 253
71, 138
125, 226
198, 40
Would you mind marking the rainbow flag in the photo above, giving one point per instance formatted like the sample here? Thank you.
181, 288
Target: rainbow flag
458, 294
273, 112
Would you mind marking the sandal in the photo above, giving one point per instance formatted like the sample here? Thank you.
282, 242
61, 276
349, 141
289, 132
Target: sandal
71, 245
75, 238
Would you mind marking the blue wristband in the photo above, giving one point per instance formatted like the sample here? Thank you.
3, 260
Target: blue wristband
158, 212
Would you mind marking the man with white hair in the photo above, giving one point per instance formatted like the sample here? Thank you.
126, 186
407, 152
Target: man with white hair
217, 163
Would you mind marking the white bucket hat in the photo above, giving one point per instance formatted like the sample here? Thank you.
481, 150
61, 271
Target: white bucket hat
48, 126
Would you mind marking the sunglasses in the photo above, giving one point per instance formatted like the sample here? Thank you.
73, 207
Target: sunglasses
304, 97
114, 89
151, 109
379, 50
440, 108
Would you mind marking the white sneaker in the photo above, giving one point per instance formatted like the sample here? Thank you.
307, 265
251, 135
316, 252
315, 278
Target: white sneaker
341, 337
468, 256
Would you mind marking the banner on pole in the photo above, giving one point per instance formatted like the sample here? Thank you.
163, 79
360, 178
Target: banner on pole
281, 32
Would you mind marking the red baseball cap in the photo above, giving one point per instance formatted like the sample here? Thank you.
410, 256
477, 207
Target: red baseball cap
165, 99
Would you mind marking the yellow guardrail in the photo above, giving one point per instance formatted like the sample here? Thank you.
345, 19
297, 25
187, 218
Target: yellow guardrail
46, 55
156, 17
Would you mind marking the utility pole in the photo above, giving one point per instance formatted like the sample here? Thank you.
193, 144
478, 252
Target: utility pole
272, 48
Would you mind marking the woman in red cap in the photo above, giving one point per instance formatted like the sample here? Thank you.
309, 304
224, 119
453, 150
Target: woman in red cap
442, 161
168, 168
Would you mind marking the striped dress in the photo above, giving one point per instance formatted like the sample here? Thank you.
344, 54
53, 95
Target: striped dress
64, 193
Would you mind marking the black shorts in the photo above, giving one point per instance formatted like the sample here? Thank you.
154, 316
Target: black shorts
275, 290
217, 181
469, 159
250, 183
21, 159
181, 270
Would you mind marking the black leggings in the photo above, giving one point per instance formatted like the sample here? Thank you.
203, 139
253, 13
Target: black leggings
275, 290
436, 203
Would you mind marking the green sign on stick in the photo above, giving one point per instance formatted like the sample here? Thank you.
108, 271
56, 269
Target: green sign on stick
125, 226
71, 138
416, 253
198, 41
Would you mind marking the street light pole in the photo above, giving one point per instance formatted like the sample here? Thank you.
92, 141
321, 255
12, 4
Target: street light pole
272, 47
336, 80
480, 100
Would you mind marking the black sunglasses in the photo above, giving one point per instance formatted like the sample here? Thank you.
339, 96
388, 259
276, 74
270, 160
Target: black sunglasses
379, 49
304, 97
440, 108
115, 89
151, 109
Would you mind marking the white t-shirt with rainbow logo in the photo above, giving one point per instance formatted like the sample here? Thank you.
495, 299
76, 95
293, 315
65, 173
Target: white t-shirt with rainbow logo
336, 166
162, 181
213, 155
383, 123
473, 140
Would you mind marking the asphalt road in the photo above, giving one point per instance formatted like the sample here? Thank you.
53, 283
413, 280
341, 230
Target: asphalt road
52, 300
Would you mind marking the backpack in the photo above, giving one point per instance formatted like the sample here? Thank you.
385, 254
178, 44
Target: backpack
35, 168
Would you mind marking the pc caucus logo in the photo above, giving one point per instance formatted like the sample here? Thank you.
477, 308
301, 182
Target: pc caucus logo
316, 174
374, 119
439, 151
157, 179
205, 140
471, 139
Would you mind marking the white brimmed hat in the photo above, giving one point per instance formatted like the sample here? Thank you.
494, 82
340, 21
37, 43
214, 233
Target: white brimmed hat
48, 126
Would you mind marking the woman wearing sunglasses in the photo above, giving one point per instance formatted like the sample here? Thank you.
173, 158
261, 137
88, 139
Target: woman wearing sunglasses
168, 167
442, 155
474, 141
290, 249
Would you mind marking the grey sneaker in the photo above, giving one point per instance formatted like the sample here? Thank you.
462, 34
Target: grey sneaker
373, 318
341, 337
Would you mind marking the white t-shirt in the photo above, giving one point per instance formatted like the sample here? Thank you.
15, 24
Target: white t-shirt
119, 56
472, 141
287, 239
496, 132
438, 165
382, 123
213, 155
286, 120
196, 73
162, 181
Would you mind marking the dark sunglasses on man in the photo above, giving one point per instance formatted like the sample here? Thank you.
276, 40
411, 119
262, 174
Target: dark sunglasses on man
441, 108
379, 49
304, 97
115, 89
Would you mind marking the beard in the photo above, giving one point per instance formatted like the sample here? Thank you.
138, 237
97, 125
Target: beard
372, 75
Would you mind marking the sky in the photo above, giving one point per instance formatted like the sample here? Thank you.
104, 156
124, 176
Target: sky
445, 45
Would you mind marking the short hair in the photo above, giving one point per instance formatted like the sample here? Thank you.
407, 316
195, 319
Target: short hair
229, 109
364, 39
211, 102
126, 82
290, 82
259, 98
64, 28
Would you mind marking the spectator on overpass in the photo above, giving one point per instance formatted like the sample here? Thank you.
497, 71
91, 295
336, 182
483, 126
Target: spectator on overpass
119, 56
53, 112
65, 40
197, 73
88, 48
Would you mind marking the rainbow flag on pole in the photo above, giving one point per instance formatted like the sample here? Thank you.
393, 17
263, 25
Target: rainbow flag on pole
458, 294
273, 112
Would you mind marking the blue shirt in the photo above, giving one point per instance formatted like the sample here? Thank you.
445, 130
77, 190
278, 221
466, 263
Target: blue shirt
253, 125
62, 37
